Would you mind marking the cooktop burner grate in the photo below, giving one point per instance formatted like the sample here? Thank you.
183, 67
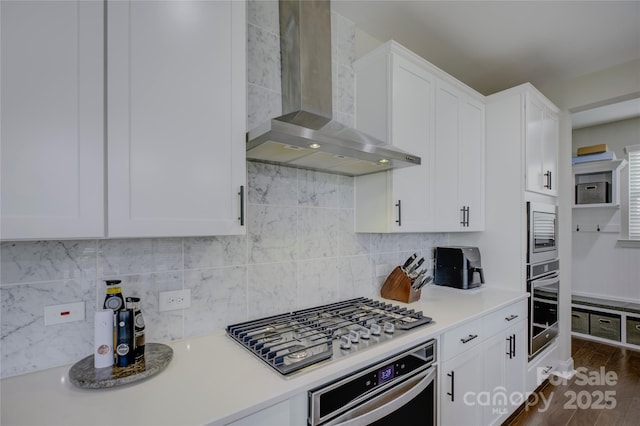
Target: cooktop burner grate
292, 341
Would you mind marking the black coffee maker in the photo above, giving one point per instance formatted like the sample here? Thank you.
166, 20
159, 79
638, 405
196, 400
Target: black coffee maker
458, 267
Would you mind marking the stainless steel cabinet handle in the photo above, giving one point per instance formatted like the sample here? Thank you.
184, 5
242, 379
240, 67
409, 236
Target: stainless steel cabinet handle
399, 220
514, 345
547, 370
465, 216
452, 393
576, 316
241, 194
469, 338
604, 321
637, 327
511, 317
510, 340
548, 176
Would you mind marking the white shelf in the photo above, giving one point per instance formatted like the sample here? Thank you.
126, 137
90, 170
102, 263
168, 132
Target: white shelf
600, 171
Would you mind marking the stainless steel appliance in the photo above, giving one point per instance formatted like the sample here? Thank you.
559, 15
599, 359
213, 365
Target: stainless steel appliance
397, 391
306, 136
543, 283
542, 242
295, 340
458, 267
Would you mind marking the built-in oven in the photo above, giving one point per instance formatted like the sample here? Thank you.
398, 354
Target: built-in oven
396, 391
542, 239
543, 284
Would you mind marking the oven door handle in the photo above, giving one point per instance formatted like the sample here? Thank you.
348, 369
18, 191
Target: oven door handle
387, 402
546, 281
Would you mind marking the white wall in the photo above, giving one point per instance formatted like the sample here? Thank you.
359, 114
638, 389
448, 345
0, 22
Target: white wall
601, 266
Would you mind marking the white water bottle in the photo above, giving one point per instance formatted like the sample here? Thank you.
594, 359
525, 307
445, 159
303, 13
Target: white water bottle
103, 339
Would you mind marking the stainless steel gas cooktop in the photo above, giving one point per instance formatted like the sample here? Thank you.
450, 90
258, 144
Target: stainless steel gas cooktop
292, 341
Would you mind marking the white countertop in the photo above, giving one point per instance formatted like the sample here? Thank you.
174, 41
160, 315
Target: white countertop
212, 379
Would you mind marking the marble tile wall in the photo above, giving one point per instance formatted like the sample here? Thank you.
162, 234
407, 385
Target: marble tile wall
300, 249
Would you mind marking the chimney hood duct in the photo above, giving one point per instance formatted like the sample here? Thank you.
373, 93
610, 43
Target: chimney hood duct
306, 136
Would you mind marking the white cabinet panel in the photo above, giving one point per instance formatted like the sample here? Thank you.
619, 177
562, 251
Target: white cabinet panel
176, 90
459, 154
483, 368
52, 120
395, 104
471, 163
541, 146
461, 386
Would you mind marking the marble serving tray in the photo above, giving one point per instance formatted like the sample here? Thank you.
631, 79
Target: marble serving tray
156, 358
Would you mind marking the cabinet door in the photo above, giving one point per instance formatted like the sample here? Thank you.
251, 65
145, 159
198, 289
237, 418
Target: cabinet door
471, 163
447, 123
411, 129
534, 136
550, 153
459, 154
461, 387
52, 120
504, 373
176, 90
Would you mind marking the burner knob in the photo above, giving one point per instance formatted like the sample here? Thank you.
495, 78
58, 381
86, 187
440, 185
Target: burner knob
389, 328
345, 342
375, 329
365, 333
354, 336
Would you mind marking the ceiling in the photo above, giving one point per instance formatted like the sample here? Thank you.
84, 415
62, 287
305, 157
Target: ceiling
494, 45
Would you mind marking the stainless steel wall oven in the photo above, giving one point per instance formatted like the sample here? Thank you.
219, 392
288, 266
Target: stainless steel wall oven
543, 284
396, 391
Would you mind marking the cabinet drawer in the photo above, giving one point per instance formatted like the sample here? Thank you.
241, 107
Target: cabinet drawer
605, 326
461, 338
505, 317
580, 321
633, 330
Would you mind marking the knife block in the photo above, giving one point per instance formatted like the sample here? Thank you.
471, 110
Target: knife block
397, 286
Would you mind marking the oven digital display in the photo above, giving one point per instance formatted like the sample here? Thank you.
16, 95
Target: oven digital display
385, 374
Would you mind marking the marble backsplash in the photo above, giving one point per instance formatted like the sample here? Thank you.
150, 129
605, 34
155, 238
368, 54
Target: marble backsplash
300, 249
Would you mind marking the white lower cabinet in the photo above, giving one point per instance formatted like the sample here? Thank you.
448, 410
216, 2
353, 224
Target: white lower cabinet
461, 385
292, 411
505, 358
541, 367
483, 368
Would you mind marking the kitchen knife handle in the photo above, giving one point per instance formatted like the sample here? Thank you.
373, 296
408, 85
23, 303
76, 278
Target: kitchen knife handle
241, 194
399, 220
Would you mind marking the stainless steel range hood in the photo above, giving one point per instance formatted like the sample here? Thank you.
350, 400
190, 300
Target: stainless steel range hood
306, 136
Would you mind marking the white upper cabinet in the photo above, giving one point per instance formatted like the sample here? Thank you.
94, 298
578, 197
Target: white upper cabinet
394, 103
52, 120
176, 114
407, 102
541, 145
459, 153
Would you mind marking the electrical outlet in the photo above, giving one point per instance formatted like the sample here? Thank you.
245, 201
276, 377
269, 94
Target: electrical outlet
60, 314
172, 300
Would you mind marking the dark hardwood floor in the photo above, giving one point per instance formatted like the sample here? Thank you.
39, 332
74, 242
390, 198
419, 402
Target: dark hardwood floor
590, 397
